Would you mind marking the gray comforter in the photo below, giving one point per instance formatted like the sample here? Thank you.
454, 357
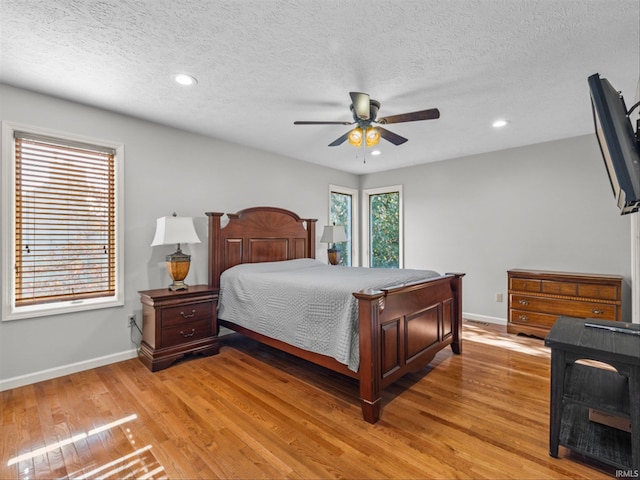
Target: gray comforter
305, 302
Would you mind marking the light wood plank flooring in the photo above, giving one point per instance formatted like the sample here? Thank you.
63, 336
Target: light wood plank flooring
254, 413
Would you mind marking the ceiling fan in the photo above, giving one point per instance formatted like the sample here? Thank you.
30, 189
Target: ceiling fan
364, 112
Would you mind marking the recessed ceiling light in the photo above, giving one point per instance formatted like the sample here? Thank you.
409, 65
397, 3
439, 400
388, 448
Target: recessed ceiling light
500, 123
184, 79
376, 152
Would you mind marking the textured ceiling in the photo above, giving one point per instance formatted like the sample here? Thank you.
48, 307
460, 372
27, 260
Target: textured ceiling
261, 64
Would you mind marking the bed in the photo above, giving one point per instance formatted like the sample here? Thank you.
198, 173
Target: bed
399, 327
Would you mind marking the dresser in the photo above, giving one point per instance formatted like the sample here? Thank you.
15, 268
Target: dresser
177, 323
538, 297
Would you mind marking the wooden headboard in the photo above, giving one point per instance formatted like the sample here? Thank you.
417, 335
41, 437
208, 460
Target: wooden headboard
258, 234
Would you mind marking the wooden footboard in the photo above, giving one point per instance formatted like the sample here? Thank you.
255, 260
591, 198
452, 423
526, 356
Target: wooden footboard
401, 330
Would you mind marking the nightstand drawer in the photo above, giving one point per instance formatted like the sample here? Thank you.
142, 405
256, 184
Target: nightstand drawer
187, 332
186, 314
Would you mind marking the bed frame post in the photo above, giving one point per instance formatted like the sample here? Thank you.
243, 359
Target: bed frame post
369, 370
311, 237
215, 267
456, 286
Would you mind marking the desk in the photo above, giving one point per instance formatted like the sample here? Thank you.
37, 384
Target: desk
576, 387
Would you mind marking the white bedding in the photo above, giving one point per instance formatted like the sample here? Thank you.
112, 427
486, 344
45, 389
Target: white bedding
305, 303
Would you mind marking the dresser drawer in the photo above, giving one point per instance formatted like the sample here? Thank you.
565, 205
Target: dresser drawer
525, 285
186, 313
560, 288
532, 318
603, 292
194, 330
569, 308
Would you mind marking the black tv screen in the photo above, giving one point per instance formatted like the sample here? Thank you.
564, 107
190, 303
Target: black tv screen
618, 142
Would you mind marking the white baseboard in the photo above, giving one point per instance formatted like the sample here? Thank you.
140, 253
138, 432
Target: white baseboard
50, 373
484, 318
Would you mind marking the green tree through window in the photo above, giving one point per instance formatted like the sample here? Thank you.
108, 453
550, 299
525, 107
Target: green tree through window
341, 214
384, 226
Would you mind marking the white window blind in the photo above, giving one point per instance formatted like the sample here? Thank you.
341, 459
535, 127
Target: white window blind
65, 236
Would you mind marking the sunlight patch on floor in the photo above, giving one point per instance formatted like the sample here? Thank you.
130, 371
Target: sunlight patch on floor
138, 463
528, 346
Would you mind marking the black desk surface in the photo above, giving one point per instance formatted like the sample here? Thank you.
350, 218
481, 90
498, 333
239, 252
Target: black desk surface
571, 334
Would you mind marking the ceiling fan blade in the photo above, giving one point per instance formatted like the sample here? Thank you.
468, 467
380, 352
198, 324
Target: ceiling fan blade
361, 105
430, 114
340, 141
391, 137
321, 123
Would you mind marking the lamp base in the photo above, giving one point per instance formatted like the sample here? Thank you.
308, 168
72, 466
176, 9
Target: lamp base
178, 265
180, 285
334, 256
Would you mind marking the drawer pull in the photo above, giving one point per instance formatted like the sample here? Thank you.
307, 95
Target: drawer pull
524, 318
523, 302
597, 311
188, 315
185, 335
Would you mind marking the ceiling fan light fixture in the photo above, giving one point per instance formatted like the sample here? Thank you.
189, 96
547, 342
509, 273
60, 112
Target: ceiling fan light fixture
372, 136
355, 137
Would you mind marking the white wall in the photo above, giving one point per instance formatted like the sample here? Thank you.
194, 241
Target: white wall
166, 171
545, 206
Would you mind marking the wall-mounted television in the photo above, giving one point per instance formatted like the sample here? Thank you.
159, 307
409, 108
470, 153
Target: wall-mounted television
619, 143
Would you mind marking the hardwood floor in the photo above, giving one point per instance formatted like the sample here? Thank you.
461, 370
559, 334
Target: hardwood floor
254, 413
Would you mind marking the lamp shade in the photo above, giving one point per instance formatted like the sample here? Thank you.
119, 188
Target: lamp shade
372, 136
333, 234
355, 137
173, 230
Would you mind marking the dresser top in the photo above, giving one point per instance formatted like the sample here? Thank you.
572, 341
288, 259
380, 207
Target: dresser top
166, 294
543, 274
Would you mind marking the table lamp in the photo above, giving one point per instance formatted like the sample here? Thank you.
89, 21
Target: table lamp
170, 230
333, 234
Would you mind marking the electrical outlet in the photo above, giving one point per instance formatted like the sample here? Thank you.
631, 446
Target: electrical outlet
131, 320
498, 297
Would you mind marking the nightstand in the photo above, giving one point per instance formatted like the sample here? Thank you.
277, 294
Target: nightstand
177, 323
576, 388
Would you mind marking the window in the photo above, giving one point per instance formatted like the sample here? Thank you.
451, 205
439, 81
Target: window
343, 211
63, 253
383, 227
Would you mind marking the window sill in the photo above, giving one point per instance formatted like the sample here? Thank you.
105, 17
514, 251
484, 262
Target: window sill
44, 310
